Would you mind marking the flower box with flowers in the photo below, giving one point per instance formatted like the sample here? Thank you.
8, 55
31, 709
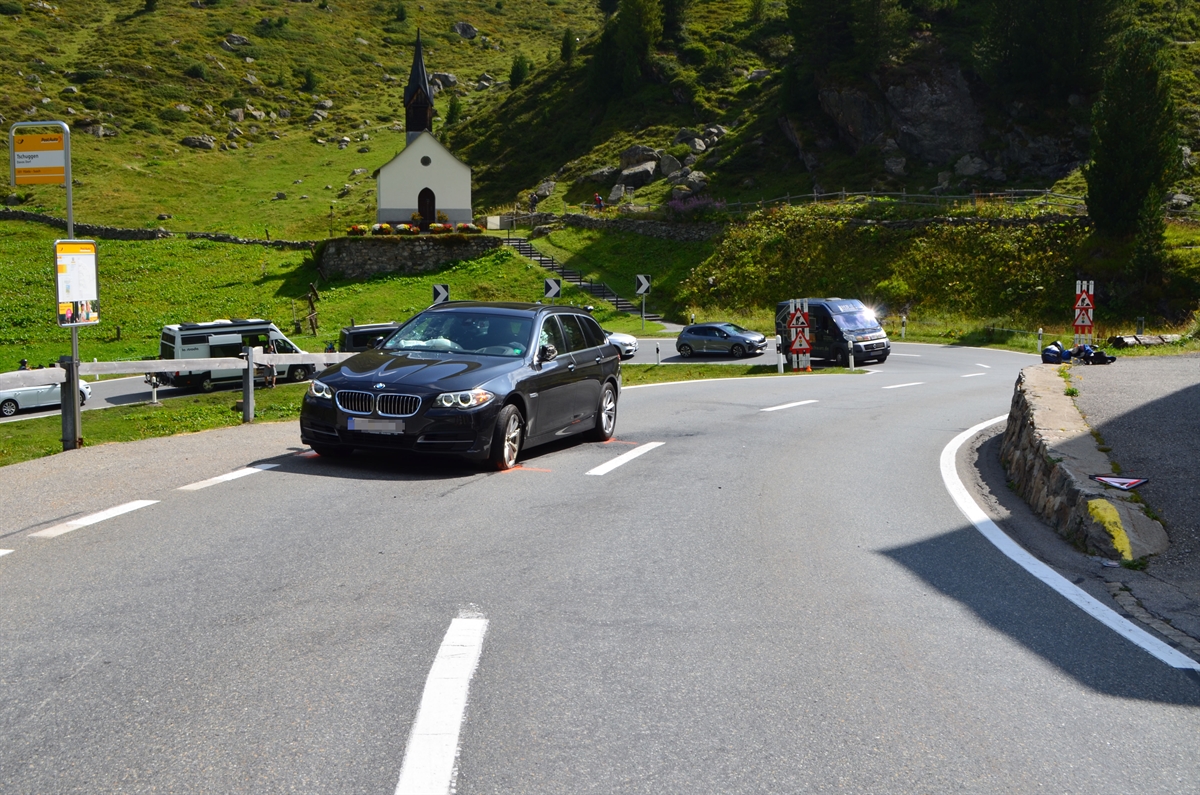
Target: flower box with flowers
406, 229
469, 229
381, 229
356, 230
440, 229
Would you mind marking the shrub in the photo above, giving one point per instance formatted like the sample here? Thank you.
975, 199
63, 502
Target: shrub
519, 71
400, 12
568, 47
310, 80
694, 208
146, 126
694, 53
197, 70
172, 114
11, 8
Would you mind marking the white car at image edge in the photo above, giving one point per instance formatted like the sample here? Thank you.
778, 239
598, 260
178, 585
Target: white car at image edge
626, 342
34, 397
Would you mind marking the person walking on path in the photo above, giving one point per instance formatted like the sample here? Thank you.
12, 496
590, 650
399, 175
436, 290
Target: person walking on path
24, 365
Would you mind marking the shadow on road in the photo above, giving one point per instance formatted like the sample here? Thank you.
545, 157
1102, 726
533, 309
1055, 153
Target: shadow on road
965, 567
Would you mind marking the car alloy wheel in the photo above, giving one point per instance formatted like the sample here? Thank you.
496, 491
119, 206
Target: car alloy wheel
298, 374
606, 415
82, 398
738, 351
685, 350
506, 443
8, 408
207, 385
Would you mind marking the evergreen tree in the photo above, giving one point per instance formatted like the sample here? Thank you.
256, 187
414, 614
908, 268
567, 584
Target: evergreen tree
821, 30
879, 28
568, 48
1135, 139
608, 7
454, 112
1050, 46
639, 28
674, 17
519, 71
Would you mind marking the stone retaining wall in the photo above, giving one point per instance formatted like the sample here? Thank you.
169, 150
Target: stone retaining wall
95, 231
363, 257
1048, 452
221, 237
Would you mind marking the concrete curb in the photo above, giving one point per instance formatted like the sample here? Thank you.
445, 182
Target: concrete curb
1048, 452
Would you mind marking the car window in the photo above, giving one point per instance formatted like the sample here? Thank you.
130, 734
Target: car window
283, 346
552, 335
595, 334
706, 332
733, 328
854, 321
574, 333
466, 332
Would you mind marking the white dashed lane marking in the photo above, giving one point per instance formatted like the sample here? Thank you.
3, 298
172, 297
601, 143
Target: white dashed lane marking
429, 759
624, 458
228, 476
789, 405
984, 366
75, 524
972, 375
4, 552
913, 355
899, 386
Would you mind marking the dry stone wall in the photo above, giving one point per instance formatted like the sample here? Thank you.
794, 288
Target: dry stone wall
1048, 452
363, 257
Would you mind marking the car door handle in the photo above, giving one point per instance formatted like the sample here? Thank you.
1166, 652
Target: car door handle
571, 367
598, 359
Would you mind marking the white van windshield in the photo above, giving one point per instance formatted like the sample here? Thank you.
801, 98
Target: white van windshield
464, 332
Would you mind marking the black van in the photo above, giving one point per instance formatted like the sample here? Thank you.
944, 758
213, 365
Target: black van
835, 322
363, 338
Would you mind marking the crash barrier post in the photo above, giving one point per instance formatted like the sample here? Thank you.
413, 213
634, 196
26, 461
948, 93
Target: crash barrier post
248, 385
1141, 326
1039, 341
850, 352
69, 400
657, 354
779, 352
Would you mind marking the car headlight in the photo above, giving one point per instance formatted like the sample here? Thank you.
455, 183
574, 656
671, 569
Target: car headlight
463, 400
320, 390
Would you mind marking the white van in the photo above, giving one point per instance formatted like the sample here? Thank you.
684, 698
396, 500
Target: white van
220, 339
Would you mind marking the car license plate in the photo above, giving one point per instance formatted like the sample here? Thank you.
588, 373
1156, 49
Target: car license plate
375, 426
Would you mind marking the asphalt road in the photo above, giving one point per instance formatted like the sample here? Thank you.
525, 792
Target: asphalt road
769, 601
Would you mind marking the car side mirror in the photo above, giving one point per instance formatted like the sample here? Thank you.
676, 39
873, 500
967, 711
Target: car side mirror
377, 342
547, 353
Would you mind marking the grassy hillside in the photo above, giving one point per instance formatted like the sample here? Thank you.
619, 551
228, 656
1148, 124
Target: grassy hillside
155, 76
146, 285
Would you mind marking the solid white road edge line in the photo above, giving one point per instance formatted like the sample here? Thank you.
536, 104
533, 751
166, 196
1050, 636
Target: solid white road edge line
914, 355
431, 757
1073, 593
228, 476
4, 552
75, 524
898, 386
972, 375
789, 405
624, 458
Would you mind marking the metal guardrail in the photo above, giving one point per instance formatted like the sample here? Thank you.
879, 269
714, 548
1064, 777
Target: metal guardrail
57, 375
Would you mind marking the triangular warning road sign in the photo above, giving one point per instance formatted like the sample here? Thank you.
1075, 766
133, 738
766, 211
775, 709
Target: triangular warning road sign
1124, 484
798, 319
1084, 301
800, 345
1083, 317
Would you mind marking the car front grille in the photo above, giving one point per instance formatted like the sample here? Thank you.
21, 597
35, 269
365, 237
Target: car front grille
353, 402
389, 405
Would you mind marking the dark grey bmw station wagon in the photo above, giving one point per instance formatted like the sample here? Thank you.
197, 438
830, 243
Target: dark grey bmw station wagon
479, 380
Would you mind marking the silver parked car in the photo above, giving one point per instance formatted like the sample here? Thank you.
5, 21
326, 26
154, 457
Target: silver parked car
626, 342
34, 397
729, 339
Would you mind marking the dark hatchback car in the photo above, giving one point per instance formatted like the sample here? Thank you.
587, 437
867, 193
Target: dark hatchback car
479, 380
728, 339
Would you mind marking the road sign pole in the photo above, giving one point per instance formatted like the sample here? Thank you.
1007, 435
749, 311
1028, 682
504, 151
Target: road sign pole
643, 311
807, 362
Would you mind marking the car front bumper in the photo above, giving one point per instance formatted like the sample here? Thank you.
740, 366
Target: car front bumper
461, 433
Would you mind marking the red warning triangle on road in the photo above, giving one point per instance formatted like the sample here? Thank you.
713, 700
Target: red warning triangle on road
799, 319
1084, 301
1124, 484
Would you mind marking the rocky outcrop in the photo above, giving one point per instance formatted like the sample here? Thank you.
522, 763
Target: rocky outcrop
932, 114
636, 155
657, 229
1048, 452
363, 257
639, 175
861, 120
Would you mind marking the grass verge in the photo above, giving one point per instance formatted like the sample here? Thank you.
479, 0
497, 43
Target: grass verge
638, 374
22, 441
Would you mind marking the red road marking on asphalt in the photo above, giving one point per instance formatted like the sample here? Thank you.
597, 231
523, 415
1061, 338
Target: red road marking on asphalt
526, 469
619, 441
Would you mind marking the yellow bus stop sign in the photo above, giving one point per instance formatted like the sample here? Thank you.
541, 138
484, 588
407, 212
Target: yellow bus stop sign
39, 160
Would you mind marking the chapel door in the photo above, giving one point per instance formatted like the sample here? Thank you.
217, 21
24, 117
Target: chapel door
427, 207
